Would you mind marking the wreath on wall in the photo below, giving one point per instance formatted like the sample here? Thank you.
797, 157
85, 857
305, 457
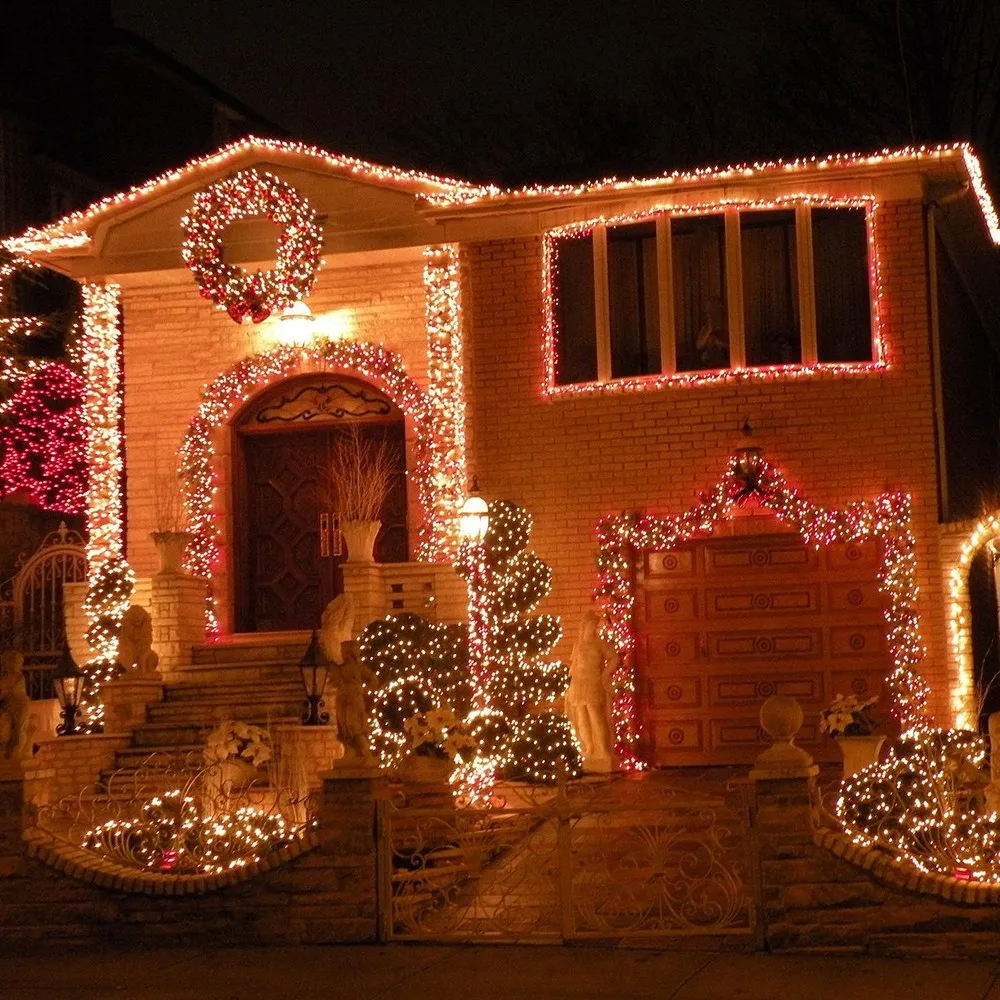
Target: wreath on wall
250, 194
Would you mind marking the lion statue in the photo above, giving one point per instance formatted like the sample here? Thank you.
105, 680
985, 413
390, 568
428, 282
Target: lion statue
135, 642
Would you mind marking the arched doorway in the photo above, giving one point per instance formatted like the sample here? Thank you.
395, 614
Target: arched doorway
288, 552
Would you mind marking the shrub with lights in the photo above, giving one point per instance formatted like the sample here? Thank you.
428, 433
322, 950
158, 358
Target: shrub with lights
924, 806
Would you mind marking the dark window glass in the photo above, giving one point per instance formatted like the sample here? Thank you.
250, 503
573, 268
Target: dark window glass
576, 326
633, 300
702, 324
770, 289
843, 305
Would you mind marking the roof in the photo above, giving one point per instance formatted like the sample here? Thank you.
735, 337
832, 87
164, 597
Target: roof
445, 196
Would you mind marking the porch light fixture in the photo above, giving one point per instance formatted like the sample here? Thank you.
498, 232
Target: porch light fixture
474, 516
68, 683
313, 667
297, 324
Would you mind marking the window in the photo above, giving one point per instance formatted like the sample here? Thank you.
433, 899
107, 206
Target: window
576, 343
771, 330
702, 293
633, 300
843, 307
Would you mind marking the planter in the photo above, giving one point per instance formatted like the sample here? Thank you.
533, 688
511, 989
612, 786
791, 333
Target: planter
859, 751
170, 546
360, 537
422, 770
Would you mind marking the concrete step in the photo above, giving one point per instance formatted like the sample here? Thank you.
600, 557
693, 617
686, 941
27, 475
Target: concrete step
249, 647
236, 692
263, 672
208, 712
194, 731
137, 756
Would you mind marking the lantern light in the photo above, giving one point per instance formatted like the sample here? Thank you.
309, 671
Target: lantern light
474, 516
68, 684
297, 324
313, 667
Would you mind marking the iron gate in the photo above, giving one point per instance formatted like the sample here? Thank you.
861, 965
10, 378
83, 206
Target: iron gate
604, 860
31, 606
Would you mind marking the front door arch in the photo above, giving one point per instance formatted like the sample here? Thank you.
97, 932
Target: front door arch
287, 547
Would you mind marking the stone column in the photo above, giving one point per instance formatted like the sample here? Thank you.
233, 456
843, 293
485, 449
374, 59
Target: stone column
178, 612
366, 584
14, 813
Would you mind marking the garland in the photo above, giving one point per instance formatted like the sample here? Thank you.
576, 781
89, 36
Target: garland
886, 518
251, 194
232, 388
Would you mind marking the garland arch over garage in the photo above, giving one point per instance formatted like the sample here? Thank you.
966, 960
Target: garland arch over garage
748, 475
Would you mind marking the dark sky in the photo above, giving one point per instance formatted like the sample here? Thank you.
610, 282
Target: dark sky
355, 75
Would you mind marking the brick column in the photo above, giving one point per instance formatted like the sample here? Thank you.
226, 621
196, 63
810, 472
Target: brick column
178, 612
14, 812
125, 701
348, 828
365, 583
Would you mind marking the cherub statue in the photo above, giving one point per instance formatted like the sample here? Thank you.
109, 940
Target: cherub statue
349, 675
588, 699
135, 642
15, 709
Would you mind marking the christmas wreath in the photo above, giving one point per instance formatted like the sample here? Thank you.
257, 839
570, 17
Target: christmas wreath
245, 195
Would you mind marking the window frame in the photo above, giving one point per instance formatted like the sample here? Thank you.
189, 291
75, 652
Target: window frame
738, 369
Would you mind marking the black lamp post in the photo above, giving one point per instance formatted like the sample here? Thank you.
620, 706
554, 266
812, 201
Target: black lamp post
68, 683
313, 666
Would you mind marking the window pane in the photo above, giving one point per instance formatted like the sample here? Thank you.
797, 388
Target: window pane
770, 289
843, 306
576, 326
699, 252
633, 300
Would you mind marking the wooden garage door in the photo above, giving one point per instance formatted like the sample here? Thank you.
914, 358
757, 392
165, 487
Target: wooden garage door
725, 623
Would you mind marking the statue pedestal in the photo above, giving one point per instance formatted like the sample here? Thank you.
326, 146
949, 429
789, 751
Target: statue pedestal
126, 699
177, 607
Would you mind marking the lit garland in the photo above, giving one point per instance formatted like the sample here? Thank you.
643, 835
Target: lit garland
244, 195
110, 579
920, 805
446, 391
647, 383
42, 448
886, 518
960, 625
228, 391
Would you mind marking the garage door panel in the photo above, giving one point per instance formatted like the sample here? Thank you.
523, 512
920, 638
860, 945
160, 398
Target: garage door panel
678, 563
855, 598
669, 650
765, 602
677, 737
671, 605
680, 691
746, 692
863, 558
772, 643
865, 683
857, 640
753, 557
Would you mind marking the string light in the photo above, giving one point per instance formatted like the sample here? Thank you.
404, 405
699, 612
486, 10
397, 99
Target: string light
109, 576
963, 697
228, 391
885, 519
646, 383
446, 392
244, 195
920, 805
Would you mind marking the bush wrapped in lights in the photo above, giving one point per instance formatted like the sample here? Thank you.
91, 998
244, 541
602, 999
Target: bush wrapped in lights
923, 805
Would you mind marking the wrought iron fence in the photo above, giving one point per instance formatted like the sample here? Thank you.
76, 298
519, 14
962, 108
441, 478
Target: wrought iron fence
598, 860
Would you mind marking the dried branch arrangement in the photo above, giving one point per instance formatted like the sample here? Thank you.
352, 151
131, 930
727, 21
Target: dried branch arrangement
360, 473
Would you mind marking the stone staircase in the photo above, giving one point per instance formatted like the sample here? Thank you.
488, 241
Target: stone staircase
250, 678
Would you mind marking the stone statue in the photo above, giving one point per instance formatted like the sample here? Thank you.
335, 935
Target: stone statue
993, 788
15, 709
135, 642
350, 675
336, 626
588, 699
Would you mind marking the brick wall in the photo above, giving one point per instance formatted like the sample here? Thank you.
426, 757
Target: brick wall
175, 344
570, 460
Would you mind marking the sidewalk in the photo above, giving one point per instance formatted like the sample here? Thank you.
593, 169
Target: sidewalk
412, 972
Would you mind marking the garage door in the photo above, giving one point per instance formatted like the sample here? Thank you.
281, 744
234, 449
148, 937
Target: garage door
726, 622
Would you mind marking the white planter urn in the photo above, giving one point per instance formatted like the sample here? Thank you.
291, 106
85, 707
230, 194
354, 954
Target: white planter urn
170, 546
360, 538
859, 751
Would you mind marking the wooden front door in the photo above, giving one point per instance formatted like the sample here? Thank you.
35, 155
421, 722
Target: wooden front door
725, 623
289, 549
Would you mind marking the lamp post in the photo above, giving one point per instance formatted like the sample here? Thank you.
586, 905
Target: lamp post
68, 683
474, 522
313, 668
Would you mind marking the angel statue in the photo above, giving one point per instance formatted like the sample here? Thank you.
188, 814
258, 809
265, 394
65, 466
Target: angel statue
15, 709
588, 699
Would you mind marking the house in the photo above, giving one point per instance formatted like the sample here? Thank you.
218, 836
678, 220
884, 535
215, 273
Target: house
816, 337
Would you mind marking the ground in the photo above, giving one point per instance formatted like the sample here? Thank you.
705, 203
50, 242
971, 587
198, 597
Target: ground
483, 972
